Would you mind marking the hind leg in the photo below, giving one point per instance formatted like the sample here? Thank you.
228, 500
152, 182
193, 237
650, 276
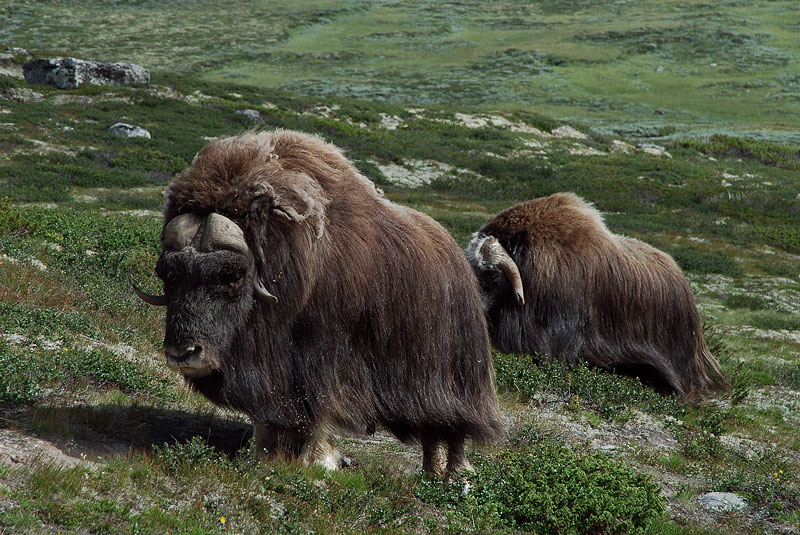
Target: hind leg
456, 458
432, 457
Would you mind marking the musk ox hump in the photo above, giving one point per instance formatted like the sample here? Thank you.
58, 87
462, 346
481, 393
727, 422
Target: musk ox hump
281, 173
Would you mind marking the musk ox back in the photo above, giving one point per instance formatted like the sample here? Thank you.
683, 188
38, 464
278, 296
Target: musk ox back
297, 294
556, 282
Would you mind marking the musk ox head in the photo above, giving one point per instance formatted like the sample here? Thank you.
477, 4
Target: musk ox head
209, 279
496, 271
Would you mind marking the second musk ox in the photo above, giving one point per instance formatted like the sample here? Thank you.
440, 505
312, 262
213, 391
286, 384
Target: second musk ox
558, 283
297, 294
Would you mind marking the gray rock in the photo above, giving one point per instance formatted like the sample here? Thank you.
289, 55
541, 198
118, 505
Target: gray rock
69, 73
569, 132
253, 115
721, 502
621, 146
655, 150
128, 130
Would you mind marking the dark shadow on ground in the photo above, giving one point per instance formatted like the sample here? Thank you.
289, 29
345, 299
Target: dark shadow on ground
109, 430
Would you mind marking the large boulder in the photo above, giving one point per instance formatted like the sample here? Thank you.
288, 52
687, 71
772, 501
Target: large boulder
128, 130
69, 73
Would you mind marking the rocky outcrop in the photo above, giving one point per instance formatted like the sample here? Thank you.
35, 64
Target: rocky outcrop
721, 502
69, 73
128, 130
10, 64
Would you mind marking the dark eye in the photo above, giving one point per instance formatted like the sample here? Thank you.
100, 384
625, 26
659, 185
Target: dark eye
233, 276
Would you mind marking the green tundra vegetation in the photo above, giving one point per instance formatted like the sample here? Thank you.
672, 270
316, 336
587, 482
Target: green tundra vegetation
679, 120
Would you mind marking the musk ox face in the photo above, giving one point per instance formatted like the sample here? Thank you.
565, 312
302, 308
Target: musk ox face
496, 271
210, 289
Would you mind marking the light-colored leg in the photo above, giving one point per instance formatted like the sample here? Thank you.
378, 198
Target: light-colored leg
456, 458
321, 451
318, 449
432, 456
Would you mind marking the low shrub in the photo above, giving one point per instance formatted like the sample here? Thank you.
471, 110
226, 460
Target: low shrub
548, 488
187, 455
608, 394
697, 261
766, 152
28, 374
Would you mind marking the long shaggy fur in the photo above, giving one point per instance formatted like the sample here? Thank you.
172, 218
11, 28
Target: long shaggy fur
378, 319
614, 301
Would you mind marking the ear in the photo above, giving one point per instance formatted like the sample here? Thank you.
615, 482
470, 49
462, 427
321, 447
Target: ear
295, 197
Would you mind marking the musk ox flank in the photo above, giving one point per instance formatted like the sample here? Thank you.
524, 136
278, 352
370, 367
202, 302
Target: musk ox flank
555, 281
297, 294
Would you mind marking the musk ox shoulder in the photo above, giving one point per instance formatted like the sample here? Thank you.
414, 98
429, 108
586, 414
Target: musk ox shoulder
297, 294
556, 282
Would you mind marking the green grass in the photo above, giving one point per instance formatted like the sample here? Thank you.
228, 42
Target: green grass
609, 64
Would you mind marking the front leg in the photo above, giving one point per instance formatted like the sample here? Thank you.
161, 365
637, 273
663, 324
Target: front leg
283, 444
320, 450
276, 443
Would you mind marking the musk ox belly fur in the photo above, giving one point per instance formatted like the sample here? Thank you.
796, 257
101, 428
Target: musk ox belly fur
614, 301
297, 294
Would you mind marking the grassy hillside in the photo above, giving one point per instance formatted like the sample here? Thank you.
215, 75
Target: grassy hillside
651, 68
96, 435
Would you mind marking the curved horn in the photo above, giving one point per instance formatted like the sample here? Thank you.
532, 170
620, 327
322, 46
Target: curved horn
155, 300
180, 232
222, 233
263, 294
500, 257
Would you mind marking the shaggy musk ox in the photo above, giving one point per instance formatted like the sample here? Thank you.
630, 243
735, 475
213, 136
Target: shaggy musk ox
556, 282
297, 294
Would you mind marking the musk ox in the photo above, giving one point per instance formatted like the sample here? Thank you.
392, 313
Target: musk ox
297, 294
556, 282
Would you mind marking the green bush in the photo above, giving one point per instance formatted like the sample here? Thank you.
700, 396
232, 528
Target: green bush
608, 394
766, 152
183, 455
17, 386
697, 261
750, 302
548, 488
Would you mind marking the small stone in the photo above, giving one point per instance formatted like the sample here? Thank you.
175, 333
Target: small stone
128, 130
721, 502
